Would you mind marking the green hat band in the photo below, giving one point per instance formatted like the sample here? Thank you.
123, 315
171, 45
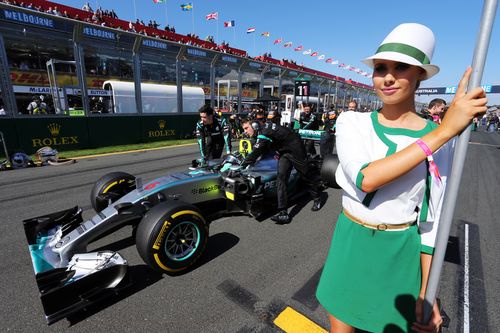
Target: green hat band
405, 49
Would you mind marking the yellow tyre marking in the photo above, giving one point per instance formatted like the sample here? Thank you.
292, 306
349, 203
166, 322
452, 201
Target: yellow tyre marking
110, 186
157, 243
184, 212
168, 269
292, 321
230, 195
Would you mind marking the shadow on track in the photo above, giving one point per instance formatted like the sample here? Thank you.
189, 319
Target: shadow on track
142, 276
297, 203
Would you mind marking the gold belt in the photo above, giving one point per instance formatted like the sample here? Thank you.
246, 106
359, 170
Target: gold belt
380, 227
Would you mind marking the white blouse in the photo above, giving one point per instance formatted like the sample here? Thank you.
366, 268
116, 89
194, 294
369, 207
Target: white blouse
361, 139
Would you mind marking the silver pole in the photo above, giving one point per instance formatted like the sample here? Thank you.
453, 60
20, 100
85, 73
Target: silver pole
487, 19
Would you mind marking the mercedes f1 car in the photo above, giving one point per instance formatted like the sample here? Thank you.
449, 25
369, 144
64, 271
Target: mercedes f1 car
170, 215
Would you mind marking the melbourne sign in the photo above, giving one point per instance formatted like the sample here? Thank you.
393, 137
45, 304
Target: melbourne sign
488, 88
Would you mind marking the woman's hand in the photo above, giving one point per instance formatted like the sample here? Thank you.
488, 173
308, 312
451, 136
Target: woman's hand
434, 323
464, 107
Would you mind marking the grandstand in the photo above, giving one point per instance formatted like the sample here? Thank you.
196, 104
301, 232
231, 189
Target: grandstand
57, 58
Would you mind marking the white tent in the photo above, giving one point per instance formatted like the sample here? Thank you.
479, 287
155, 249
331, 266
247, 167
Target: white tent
156, 98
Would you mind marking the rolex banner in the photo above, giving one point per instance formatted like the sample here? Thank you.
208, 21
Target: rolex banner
73, 133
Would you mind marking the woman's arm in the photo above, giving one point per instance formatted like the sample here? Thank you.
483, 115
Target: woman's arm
463, 108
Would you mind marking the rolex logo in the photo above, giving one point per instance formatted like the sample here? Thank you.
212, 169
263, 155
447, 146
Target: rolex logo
162, 123
54, 129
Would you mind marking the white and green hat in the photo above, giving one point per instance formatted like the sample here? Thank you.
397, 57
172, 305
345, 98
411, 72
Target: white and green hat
409, 43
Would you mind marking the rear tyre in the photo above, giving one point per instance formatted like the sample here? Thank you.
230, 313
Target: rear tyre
328, 168
111, 187
171, 237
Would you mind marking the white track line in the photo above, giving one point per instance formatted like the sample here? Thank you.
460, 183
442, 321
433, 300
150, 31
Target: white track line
466, 280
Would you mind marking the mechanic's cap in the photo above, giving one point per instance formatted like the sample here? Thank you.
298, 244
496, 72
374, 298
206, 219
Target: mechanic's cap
332, 113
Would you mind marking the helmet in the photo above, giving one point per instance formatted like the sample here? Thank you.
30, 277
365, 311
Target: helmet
46, 154
20, 160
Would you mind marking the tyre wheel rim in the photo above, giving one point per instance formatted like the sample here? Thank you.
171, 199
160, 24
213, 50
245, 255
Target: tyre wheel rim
182, 241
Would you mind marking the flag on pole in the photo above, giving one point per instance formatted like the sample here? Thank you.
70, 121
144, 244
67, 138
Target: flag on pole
329, 60
159, 1
287, 44
228, 24
250, 30
321, 57
307, 51
187, 7
265, 34
212, 16
298, 48
277, 41
314, 54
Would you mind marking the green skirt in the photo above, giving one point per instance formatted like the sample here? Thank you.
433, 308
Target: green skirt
371, 278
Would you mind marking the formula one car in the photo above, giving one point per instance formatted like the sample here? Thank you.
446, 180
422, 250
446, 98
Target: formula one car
170, 215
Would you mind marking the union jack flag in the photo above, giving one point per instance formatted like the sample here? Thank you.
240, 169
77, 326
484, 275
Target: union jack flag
212, 16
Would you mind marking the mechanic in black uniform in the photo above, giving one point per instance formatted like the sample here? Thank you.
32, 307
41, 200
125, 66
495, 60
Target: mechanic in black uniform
309, 120
290, 148
212, 134
327, 141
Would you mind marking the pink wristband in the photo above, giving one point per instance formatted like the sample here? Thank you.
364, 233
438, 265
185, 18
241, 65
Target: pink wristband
433, 168
424, 147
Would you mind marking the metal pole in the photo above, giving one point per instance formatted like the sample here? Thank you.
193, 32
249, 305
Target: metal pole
487, 19
217, 33
136, 58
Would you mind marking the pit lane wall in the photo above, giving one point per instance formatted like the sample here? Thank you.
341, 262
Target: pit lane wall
73, 133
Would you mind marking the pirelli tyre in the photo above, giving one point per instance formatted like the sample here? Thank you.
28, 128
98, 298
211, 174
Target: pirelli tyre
111, 187
172, 236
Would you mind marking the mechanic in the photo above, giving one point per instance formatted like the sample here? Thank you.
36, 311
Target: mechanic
212, 134
309, 120
327, 141
291, 152
234, 123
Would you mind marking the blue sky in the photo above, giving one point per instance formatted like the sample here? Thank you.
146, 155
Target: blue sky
345, 30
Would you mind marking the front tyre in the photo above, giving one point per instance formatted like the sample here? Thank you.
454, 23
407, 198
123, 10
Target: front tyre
111, 187
171, 237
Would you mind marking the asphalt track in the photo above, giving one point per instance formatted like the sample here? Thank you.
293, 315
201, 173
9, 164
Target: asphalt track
251, 270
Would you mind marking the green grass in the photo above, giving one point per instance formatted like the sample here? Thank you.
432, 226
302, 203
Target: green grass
117, 149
